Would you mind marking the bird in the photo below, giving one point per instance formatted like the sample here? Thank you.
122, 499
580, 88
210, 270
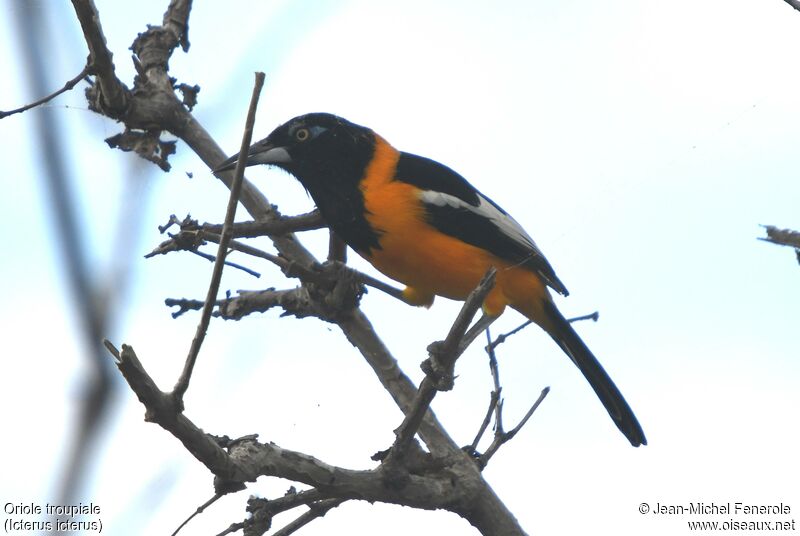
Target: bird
422, 224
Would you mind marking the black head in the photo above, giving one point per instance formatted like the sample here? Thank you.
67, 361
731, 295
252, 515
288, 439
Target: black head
329, 156
313, 146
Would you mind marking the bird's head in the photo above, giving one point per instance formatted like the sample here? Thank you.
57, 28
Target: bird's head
312, 147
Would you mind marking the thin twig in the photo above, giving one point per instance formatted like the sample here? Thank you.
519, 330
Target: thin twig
494, 368
511, 433
494, 397
234, 527
212, 258
500, 437
68, 86
591, 316
200, 509
495, 405
503, 337
183, 382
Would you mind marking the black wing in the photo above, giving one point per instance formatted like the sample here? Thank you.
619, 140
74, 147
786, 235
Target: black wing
456, 208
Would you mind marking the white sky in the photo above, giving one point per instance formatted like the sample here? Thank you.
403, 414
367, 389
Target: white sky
641, 144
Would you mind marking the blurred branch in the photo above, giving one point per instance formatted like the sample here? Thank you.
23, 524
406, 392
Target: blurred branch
91, 305
794, 3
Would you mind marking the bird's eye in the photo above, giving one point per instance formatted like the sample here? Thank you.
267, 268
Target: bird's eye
302, 134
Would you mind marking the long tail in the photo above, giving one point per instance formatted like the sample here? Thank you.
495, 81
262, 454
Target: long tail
607, 392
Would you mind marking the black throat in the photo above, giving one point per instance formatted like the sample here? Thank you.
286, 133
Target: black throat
331, 170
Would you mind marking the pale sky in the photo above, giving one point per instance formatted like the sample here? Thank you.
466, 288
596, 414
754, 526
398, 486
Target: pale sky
640, 143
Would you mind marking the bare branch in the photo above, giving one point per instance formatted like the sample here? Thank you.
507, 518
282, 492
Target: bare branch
296, 302
494, 398
503, 337
161, 409
337, 249
459, 488
234, 527
192, 236
114, 92
594, 317
528, 415
199, 510
479, 327
439, 373
185, 305
216, 276
263, 510
212, 258
782, 237
501, 438
496, 407
176, 21
494, 368
444, 354
317, 510
247, 458
68, 86
282, 225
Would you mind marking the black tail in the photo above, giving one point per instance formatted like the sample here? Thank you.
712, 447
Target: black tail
607, 392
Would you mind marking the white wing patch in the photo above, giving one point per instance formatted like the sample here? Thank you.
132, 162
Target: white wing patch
486, 209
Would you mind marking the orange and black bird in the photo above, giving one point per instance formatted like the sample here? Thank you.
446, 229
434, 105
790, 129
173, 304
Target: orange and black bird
422, 224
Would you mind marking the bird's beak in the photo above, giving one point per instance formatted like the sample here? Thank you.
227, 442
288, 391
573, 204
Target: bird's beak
262, 152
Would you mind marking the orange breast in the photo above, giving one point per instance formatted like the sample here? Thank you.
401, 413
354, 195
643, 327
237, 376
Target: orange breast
418, 255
